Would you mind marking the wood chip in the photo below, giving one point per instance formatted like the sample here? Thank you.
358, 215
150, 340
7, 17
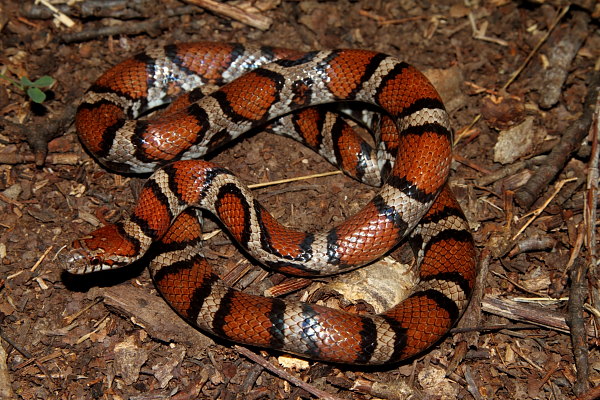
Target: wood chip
153, 313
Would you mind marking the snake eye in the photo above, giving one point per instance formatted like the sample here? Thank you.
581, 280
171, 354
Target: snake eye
95, 261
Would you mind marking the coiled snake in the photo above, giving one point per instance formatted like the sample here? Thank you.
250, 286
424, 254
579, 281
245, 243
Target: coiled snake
256, 87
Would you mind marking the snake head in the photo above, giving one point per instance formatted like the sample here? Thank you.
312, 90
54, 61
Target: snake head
105, 248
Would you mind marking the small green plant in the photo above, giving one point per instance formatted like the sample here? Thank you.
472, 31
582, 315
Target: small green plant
32, 88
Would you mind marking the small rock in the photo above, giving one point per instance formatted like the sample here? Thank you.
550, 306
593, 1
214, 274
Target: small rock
517, 142
129, 358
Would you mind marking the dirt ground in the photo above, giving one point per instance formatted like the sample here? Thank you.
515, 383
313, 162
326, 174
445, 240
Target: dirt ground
514, 77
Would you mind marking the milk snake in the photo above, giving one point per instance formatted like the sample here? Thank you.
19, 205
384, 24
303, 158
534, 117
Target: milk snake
224, 90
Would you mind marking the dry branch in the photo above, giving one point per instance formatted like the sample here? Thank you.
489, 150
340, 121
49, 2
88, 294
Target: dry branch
285, 375
560, 57
151, 27
525, 312
153, 314
575, 320
581, 269
558, 157
255, 20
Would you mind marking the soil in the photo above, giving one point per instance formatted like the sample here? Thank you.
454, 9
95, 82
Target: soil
112, 336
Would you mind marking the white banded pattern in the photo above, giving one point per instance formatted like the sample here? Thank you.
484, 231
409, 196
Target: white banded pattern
413, 202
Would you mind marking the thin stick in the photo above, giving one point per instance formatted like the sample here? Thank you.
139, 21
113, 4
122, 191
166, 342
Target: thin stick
7, 199
591, 205
576, 248
18, 348
515, 74
584, 268
57, 14
27, 355
402, 20
70, 318
255, 20
540, 209
52, 158
537, 47
575, 319
299, 178
39, 261
320, 394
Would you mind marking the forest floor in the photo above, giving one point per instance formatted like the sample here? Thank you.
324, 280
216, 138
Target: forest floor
517, 79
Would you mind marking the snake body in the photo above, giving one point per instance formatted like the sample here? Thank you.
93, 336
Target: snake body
220, 91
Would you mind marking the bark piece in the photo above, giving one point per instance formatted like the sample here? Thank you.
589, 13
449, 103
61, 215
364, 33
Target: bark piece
5, 378
130, 355
525, 312
560, 57
518, 141
153, 314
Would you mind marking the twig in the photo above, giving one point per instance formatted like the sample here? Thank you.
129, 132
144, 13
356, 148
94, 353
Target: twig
512, 282
320, 394
559, 58
489, 328
8, 200
540, 209
18, 348
372, 15
251, 377
57, 14
70, 318
39, 261
255, 20
298, 178
26, 354
558, 18
403, 20
576, 248
471, 164
472, 316
534, 243
525, 312
52, 158
465, 131
479, 33
577, 297
151, 26
517, 349
94, 9
582, 268
515, 74
590, 209
382, 21
509, 170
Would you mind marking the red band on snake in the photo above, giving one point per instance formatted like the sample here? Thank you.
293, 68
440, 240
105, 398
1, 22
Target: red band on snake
226, 90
